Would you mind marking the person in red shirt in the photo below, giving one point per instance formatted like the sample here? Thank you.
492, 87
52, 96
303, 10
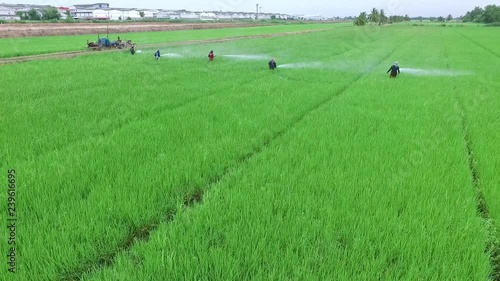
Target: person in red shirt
211, 56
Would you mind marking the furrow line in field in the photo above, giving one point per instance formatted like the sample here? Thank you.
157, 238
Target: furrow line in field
136, 234
195, 195
493, 243
478, 44
155, 112
71, 54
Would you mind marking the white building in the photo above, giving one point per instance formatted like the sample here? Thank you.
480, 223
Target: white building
264, 16
163, 15
63, 11
187, 15
132, 14
82, 14
225, 16
115, 14
149, 14
8, 14
92, 6
102, 11
207, 16
101, 14
241, 16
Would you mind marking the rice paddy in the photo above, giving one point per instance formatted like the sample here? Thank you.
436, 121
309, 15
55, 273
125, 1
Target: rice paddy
131, 168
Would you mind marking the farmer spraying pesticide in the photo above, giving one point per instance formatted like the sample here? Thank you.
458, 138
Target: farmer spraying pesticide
211, 56
132, 49
272, 64
157, 55
394, 69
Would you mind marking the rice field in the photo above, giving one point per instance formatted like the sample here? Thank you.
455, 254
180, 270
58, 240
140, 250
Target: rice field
23, 46
129, 168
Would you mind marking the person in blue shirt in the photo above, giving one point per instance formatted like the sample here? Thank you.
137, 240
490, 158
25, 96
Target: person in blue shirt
272, 64
157, 55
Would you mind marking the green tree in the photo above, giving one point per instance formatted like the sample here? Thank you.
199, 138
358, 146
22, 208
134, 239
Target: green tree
361, 19
473, 15
395, 19
374, 16
491, 14
69, 18
440, 19
51, 13
22, 15
141, 14
383, 17
33, 15
449, 18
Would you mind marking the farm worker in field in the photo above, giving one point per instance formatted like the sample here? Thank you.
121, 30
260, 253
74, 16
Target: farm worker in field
157, 55
132, 49
394, 69
211, 56
272, 64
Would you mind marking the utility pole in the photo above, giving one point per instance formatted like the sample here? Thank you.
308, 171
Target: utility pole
107, 27
257, 13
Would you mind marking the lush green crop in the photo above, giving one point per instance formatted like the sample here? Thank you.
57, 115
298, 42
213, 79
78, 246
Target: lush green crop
477, 104
23, 46
375, 184
322, 169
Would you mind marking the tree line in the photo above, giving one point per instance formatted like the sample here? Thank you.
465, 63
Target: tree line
51, 14
378, 17
46, 14
488, 14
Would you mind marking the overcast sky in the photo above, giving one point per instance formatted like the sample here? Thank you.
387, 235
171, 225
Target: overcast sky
306, 7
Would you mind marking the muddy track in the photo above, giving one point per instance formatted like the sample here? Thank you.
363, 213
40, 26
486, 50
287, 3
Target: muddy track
64, 55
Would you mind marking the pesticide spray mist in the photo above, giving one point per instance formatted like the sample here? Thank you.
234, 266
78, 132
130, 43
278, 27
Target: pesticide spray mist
248, 57
367, 67
434, 72
315, 64
335, 66
172, 55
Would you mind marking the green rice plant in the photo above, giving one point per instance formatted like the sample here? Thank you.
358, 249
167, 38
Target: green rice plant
24, 46
107, 148
324, 169
374, 184
477, 102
